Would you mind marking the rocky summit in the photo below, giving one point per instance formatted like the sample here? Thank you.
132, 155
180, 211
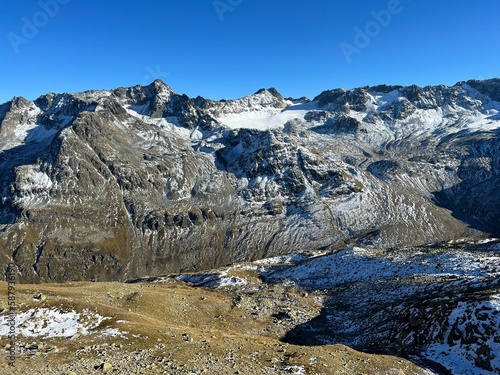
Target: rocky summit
142, 181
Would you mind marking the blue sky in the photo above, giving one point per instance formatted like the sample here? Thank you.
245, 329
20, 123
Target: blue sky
231, 48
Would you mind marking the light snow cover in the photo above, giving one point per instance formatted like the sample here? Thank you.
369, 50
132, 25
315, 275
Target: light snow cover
436, 122
263, 99
93, 94
357, 265
35, 180
470, 328
455, 354
484, 241
482, 122
169, 125
45, 322
213, 280
291, 258
21, 131
30, 132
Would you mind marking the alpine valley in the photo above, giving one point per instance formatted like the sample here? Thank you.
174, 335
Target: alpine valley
375, 210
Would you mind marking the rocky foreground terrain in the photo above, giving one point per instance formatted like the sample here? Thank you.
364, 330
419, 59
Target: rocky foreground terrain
429, 310
118, 184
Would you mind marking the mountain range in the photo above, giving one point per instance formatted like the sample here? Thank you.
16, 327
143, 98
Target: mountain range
113, 185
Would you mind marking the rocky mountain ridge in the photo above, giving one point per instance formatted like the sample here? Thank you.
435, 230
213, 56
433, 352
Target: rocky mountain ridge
113, 185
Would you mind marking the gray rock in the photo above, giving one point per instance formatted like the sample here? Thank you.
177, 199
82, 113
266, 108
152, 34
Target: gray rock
115, 185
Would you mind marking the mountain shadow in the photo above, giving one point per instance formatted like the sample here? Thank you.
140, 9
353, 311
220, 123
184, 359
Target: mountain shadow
34, 150
475, 200
401, 318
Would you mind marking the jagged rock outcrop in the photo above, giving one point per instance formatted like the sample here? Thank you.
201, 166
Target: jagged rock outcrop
112, 185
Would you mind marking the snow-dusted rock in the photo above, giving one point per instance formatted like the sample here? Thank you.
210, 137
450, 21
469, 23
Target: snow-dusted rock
111, 185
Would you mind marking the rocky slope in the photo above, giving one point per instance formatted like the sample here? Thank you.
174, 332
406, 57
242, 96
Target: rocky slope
166, 328
113, 185
437, 306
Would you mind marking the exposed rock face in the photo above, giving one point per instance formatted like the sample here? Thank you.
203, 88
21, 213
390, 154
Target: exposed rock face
112, 185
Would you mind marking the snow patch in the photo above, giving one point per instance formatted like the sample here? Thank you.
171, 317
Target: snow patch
21, 131
295, 370
168, 125
264, 119
35, 181
291, 258
213, 280
44, 322
386, 99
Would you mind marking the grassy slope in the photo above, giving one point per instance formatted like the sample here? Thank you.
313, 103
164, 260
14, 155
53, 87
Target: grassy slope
180, 330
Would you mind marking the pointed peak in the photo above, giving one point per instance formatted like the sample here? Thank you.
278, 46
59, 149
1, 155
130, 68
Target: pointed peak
270, 90
160, 85
273, 91
158, 82
20, 101
159, 89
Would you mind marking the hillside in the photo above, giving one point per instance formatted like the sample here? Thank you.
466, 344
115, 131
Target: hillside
437, 306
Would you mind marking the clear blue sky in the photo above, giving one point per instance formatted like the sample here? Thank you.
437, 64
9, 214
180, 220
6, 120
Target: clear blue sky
233, 50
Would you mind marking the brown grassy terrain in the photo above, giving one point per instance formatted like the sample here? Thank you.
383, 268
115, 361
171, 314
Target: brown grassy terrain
173, 328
